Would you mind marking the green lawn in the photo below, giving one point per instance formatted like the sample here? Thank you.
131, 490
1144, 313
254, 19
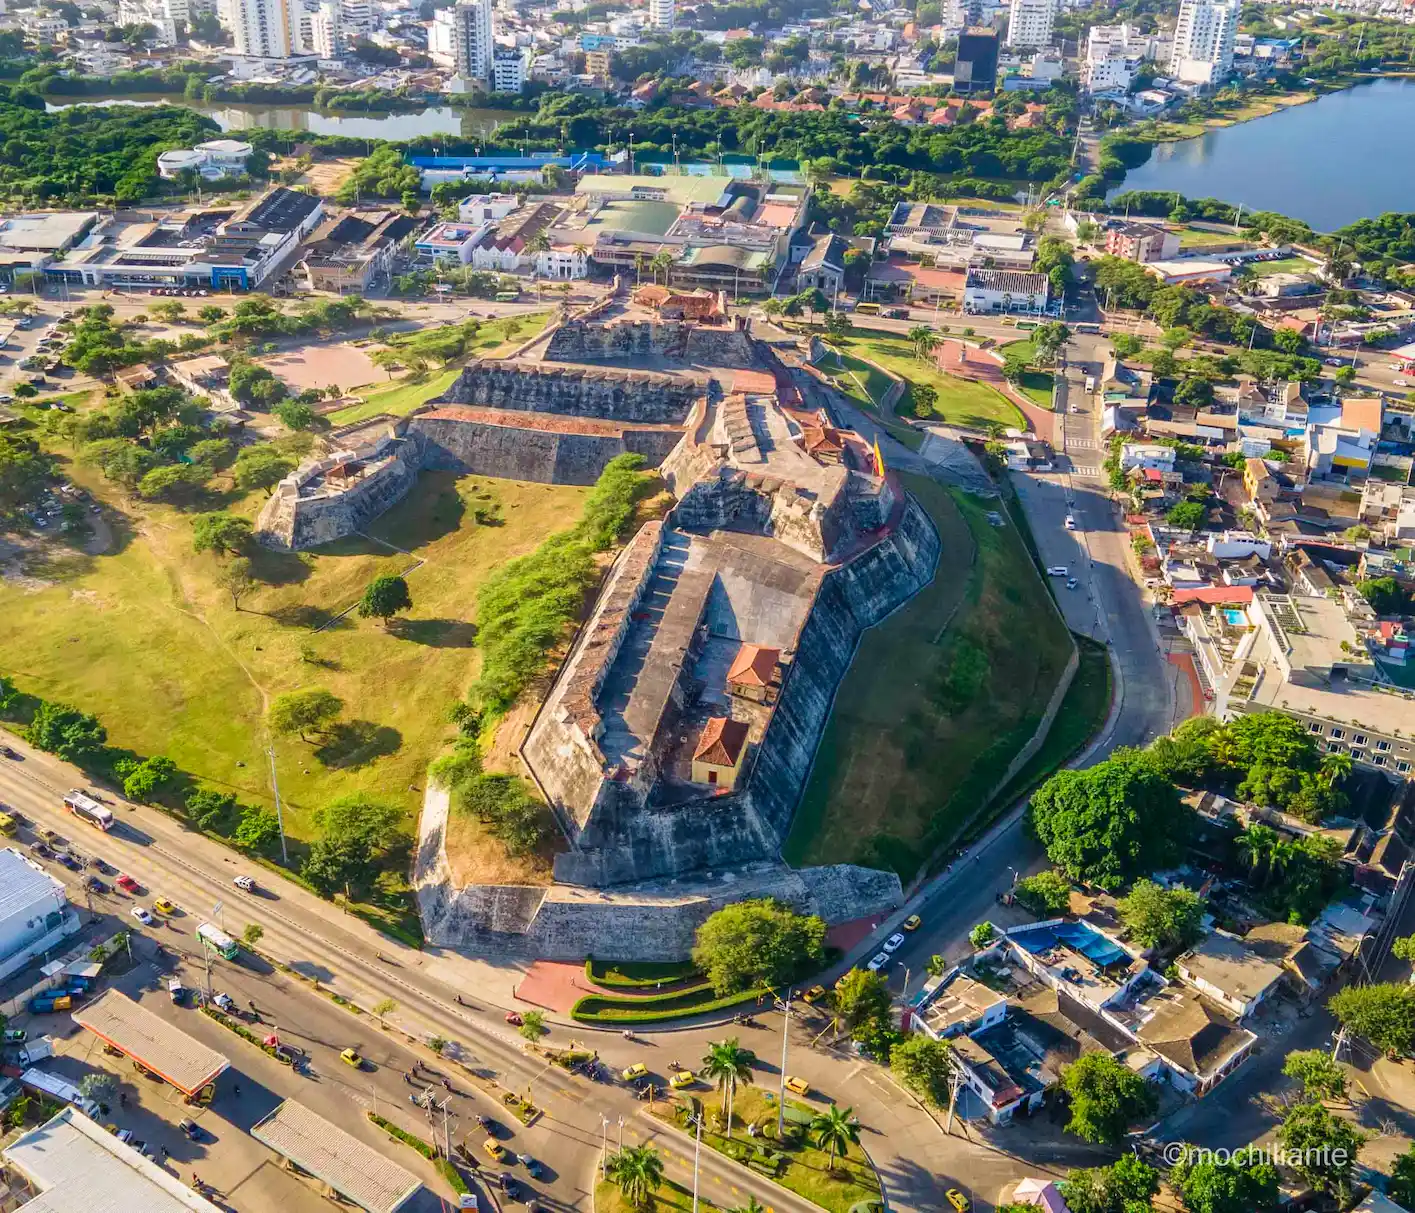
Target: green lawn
1036, 385
671, 1198
1198, 237
402, 395
960, 401
1284, 265
1083, 712
145, 638
938, 699
866, 386
806, 1170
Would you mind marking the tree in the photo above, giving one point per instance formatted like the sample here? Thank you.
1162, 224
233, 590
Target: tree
1112, 822
261, 467
1187, 515
359, 817
1322, 1148
252, 934
1162, 918
923, 1065
533, 1025
304, 712
384, 597
726, 1064
862, 998
235, 578
835, 1129
257, 829
296, 415
221, 533
1345, 375
638, 1173
100, 1086
1404, 948
1046, 894
1049, 339
1126, 345
1401, 1188
837, 324
1106, 1096
1124, 1187
1384, 1013
1245, 1183
923, 396
1256, 845
924, 340
1015, 367
1384, 594
757, 943
143, 780
1320, 1076
66, 732
383, 1007
982, 935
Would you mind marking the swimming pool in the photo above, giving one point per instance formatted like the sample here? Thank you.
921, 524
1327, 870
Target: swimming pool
1236, 619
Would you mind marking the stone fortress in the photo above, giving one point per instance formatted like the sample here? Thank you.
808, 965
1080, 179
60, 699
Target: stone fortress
679, 734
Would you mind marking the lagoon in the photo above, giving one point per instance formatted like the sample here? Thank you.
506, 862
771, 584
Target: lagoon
436, 120
1346, 156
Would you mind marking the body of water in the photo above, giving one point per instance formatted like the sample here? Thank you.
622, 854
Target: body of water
437, 120
1346, 156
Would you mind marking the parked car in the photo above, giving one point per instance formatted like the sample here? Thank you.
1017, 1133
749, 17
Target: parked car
878, 961
127, 883
141, 914
94, 885
894, 942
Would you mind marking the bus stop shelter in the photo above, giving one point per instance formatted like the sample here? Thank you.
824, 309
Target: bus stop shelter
152, 1043
358, 1173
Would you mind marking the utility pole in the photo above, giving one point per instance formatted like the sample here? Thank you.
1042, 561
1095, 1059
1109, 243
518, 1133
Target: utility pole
785, 1036
621, 1135
206, 956
697, 1152
603, 1145
279, 814
955, 1081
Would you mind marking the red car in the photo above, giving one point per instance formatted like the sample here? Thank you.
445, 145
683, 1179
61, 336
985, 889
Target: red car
128, 883
513, 1019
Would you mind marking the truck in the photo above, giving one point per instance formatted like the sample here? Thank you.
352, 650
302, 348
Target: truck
57, 1088
35, 1050
48, 1004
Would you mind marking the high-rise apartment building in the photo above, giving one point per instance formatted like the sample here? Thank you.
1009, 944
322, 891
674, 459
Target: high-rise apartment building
264, 29
975, 67
355, 19
321, 30
1029, 23
1113, 54
472, 46
1203, 41
661, 14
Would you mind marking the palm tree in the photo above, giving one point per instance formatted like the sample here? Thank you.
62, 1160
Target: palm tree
638, 1170
1280, 858
924, 339
937, 966
1335, 766
753, 1205
834, 1130
662, 260
1255, 844
727, 1064
639, 262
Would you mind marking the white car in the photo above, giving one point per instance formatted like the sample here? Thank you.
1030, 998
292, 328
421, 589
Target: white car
878, 961
1058, 570
894, 942
244, 882
142, 916
1070, 522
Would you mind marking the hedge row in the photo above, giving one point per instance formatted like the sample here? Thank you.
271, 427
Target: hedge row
407, 1139
453, 1177
623, 976
599, 1008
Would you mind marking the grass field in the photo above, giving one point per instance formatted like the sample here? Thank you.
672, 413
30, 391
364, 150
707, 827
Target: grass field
807, 1170
1035, 385
1198, 237
938, 699
145, 638
401, 395
866, 386
671, 1198
960, 401
1283, 265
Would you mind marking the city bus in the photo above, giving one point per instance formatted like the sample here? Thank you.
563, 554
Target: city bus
867, 309
86, 808
216, 940
1087, 328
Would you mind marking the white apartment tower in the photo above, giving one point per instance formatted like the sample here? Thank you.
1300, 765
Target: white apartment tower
263, 29
321, 30
661, 14
1029, 23
1203, 40
355, 19
471, 39
1113, 54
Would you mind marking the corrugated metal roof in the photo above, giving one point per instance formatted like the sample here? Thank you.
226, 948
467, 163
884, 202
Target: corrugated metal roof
186, 1063
356, 1171
79, 1166
22, 883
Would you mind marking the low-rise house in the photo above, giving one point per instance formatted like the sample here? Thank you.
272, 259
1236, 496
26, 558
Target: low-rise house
1146, 455
1198, 1042
1004, 291
954, 1004
1141, 242
349, 252
721, 748
823, 266
1221, 968
753, 672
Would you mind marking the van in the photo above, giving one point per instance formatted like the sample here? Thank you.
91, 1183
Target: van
1057, 570
1090, 383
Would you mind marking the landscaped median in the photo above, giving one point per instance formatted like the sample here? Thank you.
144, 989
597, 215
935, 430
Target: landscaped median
697, 999
793, 1161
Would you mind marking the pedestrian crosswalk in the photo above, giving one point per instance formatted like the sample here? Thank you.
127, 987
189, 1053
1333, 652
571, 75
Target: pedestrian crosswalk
1085, 471
1080, 444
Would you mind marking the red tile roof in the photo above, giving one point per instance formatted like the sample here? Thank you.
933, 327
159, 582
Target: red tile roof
1227, 595
753, 666
721, 742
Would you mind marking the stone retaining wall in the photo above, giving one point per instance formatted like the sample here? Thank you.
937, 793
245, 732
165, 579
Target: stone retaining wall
575, 391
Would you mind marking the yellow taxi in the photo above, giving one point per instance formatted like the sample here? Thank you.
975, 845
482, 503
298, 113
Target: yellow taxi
165, 905
814, 994
798, 1085
495, 1149
913, 922
683, 1078
351, 1057
637, 1070
958, 1200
